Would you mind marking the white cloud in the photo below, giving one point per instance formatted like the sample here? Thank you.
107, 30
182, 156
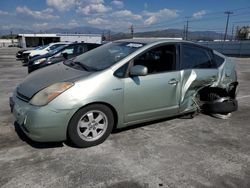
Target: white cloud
199, 14
118, 3
4, 13
127, 14
73, 23
62, 5
94, 9
45, 14
151, 20
164, 14
40, 25
94, 1
97, 21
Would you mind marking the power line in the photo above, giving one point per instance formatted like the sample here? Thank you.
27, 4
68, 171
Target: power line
207, 17
186, 33
245, 21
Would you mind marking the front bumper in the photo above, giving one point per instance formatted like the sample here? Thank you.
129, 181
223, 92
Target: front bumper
41, 124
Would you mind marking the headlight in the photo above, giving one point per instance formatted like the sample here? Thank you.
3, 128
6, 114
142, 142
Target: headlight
47, 94
39, 61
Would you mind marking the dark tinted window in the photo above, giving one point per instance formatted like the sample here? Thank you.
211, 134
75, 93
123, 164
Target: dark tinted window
195, 57
218, 60
92, 46
160, 59
79, 49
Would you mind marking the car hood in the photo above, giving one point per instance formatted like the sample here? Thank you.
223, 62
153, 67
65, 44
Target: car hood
38, 52
21, 51
27, 51
44, 77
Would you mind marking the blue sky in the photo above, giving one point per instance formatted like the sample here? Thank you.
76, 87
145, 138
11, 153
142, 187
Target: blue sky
118, 15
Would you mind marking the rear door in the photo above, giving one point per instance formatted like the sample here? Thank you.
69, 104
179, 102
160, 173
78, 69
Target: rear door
198, 69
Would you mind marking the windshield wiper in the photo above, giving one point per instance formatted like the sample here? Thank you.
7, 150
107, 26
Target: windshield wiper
80, 64
72, 63
86, 67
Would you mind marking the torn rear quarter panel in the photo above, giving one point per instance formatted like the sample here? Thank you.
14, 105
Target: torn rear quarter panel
193, 80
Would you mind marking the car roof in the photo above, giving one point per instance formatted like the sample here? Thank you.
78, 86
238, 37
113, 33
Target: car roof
160, 41
150, 40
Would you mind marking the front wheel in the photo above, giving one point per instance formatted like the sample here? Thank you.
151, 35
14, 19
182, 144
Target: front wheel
91, 125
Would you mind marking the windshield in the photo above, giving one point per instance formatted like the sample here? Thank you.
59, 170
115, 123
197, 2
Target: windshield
38, 47
42, 47
52, 52
107, 55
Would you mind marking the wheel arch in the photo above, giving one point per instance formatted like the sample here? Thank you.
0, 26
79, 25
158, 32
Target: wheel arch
115, 114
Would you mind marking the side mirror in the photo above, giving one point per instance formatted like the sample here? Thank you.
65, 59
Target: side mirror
65, 55
138, 70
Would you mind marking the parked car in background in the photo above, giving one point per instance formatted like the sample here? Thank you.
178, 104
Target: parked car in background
42, 51
120, 84
60, 54
19, 54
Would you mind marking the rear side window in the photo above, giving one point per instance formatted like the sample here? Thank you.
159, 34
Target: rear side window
195, 57
79, 49
218, 60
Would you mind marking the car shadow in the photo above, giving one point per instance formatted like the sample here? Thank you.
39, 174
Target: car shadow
46, 145
131, 127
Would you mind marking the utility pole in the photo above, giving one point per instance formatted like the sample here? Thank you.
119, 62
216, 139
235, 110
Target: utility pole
236, 37
11, 35
132, 30
109, 35
228, 15
232, 33
186, 35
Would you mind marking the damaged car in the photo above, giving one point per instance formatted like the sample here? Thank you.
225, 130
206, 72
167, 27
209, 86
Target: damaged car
121, 84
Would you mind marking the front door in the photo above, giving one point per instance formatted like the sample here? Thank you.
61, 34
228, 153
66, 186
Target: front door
156, 94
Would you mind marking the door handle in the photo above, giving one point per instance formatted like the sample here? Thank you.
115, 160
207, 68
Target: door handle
173, 82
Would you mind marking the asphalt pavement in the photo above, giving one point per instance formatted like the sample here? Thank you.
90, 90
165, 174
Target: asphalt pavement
199, 152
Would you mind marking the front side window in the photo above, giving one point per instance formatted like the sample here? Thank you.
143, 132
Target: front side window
195, 57
55, 46
157, 60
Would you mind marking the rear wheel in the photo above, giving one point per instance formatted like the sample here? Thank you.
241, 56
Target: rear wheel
219, 106
91, 125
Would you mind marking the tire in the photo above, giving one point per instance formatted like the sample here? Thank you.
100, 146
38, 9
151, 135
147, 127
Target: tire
217, 104
90, 125
224, 107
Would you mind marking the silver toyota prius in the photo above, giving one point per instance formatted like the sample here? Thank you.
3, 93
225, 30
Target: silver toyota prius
123, 83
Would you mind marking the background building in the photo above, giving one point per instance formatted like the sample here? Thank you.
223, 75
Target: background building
33, 40
8, 42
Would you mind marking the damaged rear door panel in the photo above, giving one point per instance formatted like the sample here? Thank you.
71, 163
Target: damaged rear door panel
206, 73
